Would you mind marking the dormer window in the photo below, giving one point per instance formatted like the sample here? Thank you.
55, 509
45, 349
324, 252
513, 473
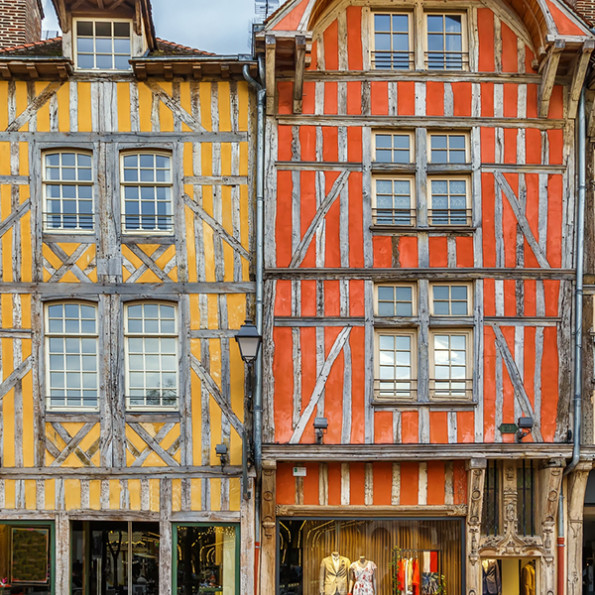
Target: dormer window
102, 45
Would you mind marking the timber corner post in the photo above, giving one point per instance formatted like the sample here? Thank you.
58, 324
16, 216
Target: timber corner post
476, 469
268, 555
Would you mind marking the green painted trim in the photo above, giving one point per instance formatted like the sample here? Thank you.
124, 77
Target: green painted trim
44, 524
174, 541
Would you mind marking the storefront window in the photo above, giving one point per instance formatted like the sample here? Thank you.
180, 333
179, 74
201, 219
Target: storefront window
25, 558
364, 557
115, 557
207, 559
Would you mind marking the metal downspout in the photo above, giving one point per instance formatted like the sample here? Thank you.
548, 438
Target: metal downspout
578, 333
259, 228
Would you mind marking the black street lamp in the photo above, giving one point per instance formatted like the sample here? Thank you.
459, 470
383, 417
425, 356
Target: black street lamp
249, 341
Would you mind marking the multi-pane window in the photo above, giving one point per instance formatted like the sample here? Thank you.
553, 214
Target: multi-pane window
147, 192
151, 355
68, 191
450, 370
71, 355
450, 300
103, 45
392, 42
448, 148
402, 323
449, 201
394, 201
446, 47
395, 367
393, 148
395, 300
393, 195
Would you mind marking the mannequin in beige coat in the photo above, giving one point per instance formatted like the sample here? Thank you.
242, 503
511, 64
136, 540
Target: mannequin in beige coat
334, 575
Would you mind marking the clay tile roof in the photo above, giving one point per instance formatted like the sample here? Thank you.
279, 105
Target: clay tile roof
169, 48
47, 47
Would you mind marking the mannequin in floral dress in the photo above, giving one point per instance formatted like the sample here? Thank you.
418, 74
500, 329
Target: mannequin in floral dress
362, 577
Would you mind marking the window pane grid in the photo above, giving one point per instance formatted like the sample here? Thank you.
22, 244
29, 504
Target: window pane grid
395, 367
68, 191
393, 148
449, 202
391, 42
393, 202
71, 351
103, 45
448, 148
395, 300
445, 42
152, 360
450, 300
450, 366
146, 187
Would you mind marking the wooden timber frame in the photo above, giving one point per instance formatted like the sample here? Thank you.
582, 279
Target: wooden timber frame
115, 463
516, 104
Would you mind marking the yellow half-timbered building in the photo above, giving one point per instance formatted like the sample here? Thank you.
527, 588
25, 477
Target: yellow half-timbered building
125, 273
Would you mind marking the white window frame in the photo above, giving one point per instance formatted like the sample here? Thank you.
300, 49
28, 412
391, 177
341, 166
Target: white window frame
167, 218
467, 286
445, 219
394, 134
437, 390
113, 54
391, 216
411, 286
408, 395
448, 136
410, 58
48, 335
160, 353
464, 53
63, 218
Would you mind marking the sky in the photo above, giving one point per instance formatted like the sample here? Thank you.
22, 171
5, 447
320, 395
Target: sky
219, 26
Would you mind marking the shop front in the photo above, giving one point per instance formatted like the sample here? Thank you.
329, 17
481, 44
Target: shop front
377, 556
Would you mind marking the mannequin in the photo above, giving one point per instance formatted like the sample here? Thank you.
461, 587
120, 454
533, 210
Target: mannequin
334, 574
362, 577
491, 583
528, 579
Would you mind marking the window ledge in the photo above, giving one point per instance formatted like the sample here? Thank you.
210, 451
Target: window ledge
445, 404
411, 229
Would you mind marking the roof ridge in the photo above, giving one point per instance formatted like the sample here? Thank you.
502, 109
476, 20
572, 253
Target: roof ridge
180, 46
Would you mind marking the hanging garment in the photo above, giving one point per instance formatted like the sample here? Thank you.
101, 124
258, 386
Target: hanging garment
492, 584
528, 580
363, 577
415, 578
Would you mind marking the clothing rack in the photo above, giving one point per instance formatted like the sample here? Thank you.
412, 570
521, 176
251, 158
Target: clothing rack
428, 581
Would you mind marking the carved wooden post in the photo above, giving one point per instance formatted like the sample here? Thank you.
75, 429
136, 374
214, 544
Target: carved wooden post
549, 494
476, 478
577, 483
269, 523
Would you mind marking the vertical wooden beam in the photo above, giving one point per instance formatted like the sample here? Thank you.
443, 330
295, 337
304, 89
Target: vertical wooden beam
268, 545
476, 477
575, 498
62, 553
270, 57
549, 493
300, 65
165, 538
548, 77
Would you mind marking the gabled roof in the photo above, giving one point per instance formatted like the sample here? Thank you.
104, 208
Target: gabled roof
140, 10
46, 47
170, 48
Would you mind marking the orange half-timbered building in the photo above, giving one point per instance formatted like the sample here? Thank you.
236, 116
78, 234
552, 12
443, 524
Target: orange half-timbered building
420, 266
125, 272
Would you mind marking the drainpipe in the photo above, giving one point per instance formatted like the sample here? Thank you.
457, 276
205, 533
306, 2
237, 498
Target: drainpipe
259, 227
578, 330
580, 255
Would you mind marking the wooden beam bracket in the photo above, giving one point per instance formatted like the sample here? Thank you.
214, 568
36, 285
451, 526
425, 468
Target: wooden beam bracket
578, 76
548, 76
300, 66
